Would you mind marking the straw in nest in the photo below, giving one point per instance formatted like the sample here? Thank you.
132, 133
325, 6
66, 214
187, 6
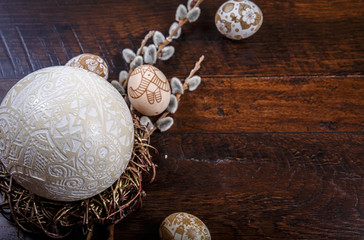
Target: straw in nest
57, 219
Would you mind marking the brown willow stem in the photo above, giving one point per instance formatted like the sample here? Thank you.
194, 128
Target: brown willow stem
139, 51
169, 39
185, 87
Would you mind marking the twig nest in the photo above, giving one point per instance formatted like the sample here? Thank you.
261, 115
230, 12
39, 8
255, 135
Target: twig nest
238, 19
183, 226
148, 90
66, 134
90, 62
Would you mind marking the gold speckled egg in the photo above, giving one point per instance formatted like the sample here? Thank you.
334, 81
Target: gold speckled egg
148, 90
90, 62
238, 19
183, 226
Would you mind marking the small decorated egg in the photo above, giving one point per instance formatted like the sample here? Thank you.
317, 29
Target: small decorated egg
65, 133
238, 19
90, 62
148, 90
183, 226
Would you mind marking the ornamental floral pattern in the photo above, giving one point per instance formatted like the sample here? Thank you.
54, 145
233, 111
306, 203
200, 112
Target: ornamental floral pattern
183, 226
238, 19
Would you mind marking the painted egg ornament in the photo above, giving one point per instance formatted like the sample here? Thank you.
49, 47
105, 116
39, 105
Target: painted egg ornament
66, 134
148, 90
183, 226
238, 19
90, 62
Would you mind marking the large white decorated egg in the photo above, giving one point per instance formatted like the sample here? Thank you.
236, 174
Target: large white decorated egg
238, 19
65, 133
148, 90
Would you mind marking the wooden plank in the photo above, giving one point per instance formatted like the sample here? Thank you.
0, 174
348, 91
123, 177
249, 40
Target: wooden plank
272, 104
297, 37
254, 186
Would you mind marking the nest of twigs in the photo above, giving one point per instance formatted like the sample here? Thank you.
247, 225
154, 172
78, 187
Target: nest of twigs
57, 219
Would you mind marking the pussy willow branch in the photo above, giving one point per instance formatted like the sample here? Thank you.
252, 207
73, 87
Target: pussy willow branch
168, 40
174, 32
140, 50
185, 87
146, 38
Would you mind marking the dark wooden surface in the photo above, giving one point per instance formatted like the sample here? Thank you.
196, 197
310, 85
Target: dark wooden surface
272, 143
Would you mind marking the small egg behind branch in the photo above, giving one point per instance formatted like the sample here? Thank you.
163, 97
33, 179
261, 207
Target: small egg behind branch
90, 62
238, 19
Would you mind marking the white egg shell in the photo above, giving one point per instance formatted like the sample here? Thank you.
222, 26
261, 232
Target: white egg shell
148, 90
90, 62
66, 134
183, 226
238, 19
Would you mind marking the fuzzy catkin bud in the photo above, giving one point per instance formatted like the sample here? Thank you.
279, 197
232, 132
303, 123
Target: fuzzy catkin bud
173, 104
193, 15
191, 4
158, 38
181, 12
150, 54
122, 76
128, 55
147, 122
167, 53
145, 49
165, 123
127, 101
138, 61
118, 86
172, 28
193, 82
176, 85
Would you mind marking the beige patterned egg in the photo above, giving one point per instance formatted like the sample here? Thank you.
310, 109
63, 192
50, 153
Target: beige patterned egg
90, 62
238, 19
148, 90
66, 134
183, 226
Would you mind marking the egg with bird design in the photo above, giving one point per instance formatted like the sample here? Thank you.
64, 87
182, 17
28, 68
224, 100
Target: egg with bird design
149, 91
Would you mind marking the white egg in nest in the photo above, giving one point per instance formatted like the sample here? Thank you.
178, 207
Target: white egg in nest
66, 134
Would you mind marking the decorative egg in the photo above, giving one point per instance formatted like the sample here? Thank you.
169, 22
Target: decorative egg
238, 19
148, 90
90, 62
66, 134
183, 226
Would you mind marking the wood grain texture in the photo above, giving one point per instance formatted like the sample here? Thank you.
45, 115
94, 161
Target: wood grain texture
247, 186
273, 104
272, 143
297, 37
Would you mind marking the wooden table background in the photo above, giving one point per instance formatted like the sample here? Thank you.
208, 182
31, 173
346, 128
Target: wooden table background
270, 146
